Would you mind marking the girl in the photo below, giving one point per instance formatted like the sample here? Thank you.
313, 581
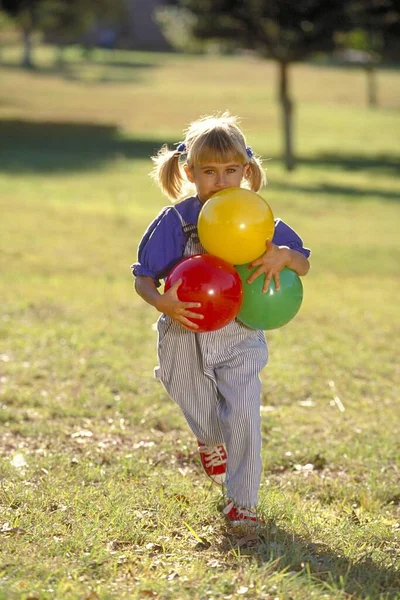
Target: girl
213, 376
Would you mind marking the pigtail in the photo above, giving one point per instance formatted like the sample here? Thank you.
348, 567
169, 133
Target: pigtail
167, 172
255, 175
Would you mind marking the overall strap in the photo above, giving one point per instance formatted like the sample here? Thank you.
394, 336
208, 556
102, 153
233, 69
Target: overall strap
193, 245
182, 220
189, 229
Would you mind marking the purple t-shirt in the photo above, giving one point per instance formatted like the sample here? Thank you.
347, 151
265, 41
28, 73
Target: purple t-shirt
164, 241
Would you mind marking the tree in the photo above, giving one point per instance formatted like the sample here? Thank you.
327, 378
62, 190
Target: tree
381, 20
376, 31
25, 12
67, 19
286, 31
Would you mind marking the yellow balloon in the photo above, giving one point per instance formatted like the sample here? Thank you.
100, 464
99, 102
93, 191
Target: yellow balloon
234, 224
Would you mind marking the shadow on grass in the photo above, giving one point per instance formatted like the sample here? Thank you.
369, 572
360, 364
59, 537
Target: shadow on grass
326, 189
277, 549
48, 147
381, 163
101, 71
330, 62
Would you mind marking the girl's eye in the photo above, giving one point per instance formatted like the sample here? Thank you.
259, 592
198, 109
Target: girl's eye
212, 171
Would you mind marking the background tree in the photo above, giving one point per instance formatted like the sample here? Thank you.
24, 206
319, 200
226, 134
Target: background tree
68, 21
286, 31
65, 20
376, 32
361, 48
25, 13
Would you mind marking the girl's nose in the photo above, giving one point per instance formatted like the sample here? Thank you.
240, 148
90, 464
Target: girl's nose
220, 180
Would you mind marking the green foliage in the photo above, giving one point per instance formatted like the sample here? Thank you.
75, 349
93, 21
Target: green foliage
63, 19
381, 23
16, 7
66, 18
5, 20
286, 31
359, 40
177, 26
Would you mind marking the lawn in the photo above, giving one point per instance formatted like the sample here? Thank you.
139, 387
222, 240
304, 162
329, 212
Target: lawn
102, 495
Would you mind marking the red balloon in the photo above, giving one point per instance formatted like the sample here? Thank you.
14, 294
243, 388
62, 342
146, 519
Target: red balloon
214, 283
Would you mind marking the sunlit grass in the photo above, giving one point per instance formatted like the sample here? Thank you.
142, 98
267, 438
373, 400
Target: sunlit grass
102, 495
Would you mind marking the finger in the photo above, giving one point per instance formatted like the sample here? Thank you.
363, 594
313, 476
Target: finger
193, 315
191, 304
254, 263
188, 324
256, 274
267, 281
277, 282
268, 245
174, 288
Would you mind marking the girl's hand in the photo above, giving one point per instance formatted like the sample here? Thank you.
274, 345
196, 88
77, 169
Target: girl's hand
271, 263
170, 305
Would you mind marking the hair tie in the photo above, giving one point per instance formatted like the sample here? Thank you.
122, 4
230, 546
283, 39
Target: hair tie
249, 152
181, 147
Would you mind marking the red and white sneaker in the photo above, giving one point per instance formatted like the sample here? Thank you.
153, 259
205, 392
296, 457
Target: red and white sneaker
213, 459
239, 516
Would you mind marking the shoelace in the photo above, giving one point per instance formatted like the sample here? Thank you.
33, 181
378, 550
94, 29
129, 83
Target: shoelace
213, 456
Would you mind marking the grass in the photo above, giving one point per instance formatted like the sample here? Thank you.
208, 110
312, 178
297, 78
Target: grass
102, 495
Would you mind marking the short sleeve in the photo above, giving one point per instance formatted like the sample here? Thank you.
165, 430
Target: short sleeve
161, 246
286, 236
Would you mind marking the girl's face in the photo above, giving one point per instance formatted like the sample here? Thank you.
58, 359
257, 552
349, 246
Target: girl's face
213, 177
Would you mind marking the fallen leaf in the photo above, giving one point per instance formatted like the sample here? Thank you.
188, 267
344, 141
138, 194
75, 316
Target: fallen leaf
247, 540
307, 403
10, 530
214, 563
181, 498
82, 433
154, 547
18, 461
307, 467
143, 444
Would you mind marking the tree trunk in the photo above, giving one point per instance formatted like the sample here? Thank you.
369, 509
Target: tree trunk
371, 86
287, 114
27, 62
60, 63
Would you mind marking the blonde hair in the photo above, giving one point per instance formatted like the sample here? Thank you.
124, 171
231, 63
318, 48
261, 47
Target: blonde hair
215, 138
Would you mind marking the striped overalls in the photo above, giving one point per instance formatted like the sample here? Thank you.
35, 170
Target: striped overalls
214, 378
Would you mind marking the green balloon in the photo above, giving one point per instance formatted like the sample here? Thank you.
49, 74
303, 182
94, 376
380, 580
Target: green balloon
274, 308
